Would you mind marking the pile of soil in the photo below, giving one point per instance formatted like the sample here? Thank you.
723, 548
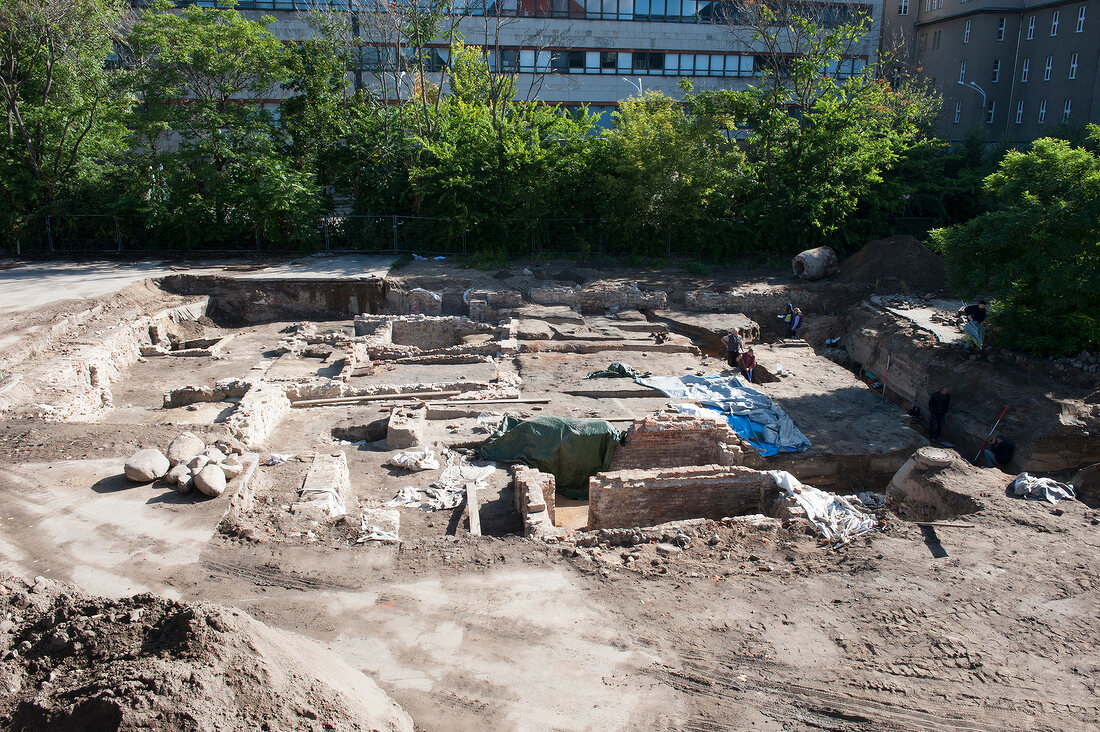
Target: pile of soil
72, 661
898, 259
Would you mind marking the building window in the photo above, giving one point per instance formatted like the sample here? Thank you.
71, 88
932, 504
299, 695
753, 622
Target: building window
935, 40
1020, 112
1024, 70
1042, 111
609, 60
1054, 23
941, 3
1001, 29
1065, 110
1031, 27
996, 70
644, 61
903, 7
927, 5
1048, 69
989, 113
958, 111
966, 32
1080, 20
962, 73
1073, 66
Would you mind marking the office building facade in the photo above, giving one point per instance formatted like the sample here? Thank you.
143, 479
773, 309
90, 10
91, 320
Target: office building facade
594, 52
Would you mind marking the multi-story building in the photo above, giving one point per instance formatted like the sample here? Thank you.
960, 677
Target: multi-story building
1016, 69
595, 52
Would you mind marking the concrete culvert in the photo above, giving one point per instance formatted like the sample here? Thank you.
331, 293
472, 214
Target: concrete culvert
816, 264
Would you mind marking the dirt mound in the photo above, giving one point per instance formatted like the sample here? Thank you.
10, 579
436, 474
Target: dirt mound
937, 484
73, 661
893, 261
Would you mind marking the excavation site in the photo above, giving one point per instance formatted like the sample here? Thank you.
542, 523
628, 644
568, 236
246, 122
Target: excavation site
369, 493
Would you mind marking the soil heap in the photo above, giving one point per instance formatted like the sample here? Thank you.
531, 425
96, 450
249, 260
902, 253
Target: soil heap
73, 661
894, 260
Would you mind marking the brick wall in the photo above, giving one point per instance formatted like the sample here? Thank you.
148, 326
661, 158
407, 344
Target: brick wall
677, 440
647, 497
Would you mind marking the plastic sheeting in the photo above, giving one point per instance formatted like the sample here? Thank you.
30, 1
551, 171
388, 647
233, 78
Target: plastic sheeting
835, 517
751, 413
571, 449
1042, 489
449, 489
423, 459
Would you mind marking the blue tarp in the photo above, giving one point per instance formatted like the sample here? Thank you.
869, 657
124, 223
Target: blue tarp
750, 413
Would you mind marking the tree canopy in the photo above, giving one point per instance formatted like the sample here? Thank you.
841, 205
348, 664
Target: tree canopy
1036, 251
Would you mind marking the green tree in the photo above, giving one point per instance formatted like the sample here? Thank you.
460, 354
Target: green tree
1036, 251
64, 109
662, 172
819, 132
214, 163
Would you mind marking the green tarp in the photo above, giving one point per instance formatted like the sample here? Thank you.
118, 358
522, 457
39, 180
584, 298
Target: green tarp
571, 449
618, 371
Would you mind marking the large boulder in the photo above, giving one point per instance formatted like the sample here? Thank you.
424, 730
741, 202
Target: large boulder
210, 480
816, 264
185, 447
145, 466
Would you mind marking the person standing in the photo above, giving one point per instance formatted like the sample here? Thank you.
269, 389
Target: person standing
735, 344
938, 405
975, 316
748, 363
795, 323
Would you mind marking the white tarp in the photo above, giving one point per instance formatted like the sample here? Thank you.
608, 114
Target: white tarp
837, 519
423, 459
771, 430
449, 489
1042, 489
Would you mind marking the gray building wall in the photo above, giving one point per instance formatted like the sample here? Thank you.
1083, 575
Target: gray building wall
688, 44
1002, 50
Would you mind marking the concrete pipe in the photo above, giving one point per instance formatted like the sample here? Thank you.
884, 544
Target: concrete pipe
816, 264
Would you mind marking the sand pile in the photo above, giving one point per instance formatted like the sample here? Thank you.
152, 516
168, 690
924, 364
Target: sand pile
72, 661
898, 259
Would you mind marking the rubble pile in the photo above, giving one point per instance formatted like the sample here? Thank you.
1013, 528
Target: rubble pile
189, 463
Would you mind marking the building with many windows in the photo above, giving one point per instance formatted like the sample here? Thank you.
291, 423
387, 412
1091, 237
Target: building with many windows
1015, 69
594, 52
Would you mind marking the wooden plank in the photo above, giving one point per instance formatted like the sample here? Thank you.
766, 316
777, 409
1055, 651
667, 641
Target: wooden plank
373, 398
467, 402
944, 525
473, 509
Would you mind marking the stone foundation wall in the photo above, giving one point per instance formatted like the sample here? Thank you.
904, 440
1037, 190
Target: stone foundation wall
600, 299
677, 440
629, 498
534, 496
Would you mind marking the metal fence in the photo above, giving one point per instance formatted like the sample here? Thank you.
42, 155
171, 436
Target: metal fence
106, 235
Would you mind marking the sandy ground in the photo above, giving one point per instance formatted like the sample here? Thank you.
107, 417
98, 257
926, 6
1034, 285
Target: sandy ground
990, 626
28, 285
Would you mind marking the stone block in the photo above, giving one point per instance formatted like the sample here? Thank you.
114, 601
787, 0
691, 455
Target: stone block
405, 427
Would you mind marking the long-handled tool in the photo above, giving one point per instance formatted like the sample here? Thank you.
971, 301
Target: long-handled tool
980, 449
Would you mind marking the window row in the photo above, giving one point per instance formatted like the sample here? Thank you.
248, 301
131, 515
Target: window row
635, 63
991, 112
1055, 21
1025, 69
675, 11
